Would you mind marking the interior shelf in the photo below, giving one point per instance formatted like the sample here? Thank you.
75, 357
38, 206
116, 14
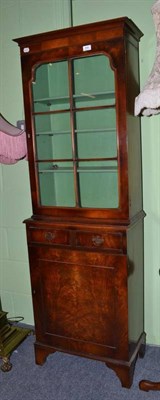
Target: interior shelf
80, 97
95, 96
82, 169
77, 131
47, 133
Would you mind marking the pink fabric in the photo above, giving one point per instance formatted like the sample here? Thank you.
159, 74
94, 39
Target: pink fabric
12, 148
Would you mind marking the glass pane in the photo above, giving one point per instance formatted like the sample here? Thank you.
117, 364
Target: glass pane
50, 87
56, 183
53, 136
96, 133
93, 81
98, 184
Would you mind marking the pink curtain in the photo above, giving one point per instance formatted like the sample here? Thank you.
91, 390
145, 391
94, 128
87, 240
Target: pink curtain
13, 146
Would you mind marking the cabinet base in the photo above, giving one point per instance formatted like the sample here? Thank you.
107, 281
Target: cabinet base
124, 373
42, 352
123, 369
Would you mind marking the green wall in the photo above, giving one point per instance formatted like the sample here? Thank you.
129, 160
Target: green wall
18, 18
24, 17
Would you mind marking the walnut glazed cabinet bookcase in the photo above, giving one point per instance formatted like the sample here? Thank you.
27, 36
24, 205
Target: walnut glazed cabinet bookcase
85, 238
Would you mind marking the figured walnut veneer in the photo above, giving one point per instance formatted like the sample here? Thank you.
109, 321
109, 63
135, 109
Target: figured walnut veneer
86, 263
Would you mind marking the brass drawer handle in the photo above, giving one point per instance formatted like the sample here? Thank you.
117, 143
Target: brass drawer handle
49, 236
97, 240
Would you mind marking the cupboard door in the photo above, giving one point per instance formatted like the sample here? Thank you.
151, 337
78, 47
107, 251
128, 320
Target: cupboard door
74, 119
80, 297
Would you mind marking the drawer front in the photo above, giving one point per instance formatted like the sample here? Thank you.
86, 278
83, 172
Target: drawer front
49, 236
97, 240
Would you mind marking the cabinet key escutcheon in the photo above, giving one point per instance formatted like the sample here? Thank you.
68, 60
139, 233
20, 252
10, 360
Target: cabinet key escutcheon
49, 236
97, 240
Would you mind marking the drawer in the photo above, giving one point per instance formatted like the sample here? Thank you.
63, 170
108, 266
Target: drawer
48, 236
111, 241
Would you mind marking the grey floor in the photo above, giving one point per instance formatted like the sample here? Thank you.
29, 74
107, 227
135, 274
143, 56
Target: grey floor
66, 377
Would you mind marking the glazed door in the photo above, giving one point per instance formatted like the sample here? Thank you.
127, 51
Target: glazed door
74, 120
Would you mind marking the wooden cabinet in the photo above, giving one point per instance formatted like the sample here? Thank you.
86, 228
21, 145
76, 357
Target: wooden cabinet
85, 238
